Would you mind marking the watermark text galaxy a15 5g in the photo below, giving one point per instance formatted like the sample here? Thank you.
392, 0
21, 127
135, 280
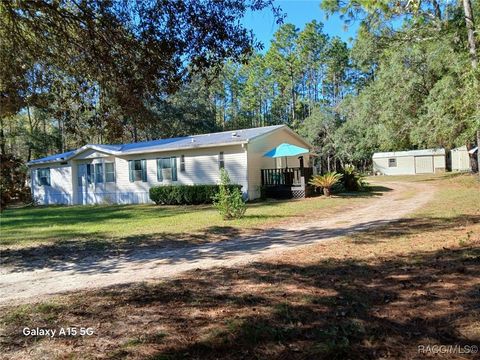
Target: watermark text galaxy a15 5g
447, 349
55, 332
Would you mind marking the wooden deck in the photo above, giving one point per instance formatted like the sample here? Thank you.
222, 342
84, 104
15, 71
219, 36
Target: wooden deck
287, 183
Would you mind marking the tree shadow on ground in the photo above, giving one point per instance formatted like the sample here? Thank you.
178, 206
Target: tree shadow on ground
215, 243
331, 309
372, 191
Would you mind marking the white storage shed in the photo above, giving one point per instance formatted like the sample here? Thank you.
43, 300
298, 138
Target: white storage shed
460, 159
427, 161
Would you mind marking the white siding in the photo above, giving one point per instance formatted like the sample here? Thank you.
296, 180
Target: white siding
60, 190
439, 162
424, 164
97, 193
90, 154
405, 166
256, 161
460, 159
409, 165
201, 167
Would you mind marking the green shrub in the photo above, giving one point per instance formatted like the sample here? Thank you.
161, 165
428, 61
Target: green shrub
326, 181
186, 194
229, 201
352, 179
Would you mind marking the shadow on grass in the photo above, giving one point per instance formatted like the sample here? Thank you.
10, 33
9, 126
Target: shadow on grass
332, 309
215, 243
73, 215
372, 191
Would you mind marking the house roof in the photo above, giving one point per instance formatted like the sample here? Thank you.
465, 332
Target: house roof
423, 152
187, 142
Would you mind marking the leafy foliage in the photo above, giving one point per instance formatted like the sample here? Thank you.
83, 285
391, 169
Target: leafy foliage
12, 181
229, 200
326, 181
172, 68
186, 194
352, 179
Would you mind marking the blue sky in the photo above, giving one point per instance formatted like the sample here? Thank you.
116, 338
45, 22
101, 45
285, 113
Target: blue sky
299, 12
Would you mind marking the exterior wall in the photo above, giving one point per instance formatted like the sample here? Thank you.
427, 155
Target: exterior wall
96, 193
201, 167
439, 163
60, 190
460, 159
256, 161
406, 165
90, 154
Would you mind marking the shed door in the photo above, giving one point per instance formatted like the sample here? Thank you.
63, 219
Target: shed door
424, 165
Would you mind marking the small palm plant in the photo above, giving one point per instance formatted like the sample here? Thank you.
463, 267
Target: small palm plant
326, 182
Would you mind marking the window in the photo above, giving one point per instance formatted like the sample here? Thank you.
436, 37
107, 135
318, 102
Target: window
109, 172
221, 160
392, 162
137, 170
182, 163
43, 177
98, 173
90, 173
167, 169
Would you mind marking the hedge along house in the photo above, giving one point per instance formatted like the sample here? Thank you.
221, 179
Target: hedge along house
124, 173
428, 161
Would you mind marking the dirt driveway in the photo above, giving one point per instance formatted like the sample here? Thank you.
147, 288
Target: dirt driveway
34, 284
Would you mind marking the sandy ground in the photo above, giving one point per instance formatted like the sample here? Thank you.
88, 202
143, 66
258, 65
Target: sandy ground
30, 285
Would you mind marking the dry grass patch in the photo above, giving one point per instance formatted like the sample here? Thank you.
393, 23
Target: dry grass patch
378, 294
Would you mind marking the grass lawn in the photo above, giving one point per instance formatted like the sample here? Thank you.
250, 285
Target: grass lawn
376, 294
141, 224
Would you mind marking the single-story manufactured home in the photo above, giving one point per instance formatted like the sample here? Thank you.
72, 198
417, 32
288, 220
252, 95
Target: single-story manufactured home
427, 161
124, 173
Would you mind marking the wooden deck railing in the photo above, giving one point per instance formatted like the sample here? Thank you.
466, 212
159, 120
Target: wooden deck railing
286, 176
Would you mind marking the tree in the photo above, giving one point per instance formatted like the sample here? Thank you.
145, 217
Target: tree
472, 46
312, 46
131, 52
284, 60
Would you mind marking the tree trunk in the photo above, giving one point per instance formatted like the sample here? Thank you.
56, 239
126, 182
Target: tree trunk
478, 152
472, 47
438, 12
2, 138
30, 124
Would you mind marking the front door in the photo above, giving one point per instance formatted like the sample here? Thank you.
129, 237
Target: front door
85, 184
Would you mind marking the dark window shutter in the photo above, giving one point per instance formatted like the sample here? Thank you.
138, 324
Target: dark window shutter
144, 170
182, 163
48, 176
130, 171
174, 168
159, 170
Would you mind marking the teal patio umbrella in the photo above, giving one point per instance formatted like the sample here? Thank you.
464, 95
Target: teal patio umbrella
285, 150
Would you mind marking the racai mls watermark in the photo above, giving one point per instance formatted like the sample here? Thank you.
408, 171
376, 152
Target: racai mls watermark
448, 349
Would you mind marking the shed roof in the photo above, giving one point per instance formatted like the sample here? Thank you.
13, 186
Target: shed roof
424, 152
187, 142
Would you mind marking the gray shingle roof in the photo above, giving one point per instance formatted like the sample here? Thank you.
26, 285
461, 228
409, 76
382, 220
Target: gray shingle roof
186, 142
